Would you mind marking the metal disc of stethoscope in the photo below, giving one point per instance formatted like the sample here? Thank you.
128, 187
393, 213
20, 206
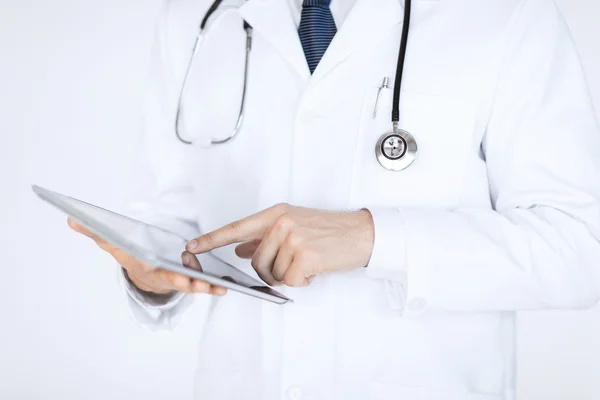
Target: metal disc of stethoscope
396, 150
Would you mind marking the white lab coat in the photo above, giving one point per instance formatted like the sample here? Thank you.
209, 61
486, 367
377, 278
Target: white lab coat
500, 212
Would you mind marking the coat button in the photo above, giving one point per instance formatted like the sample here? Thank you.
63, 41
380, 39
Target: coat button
417, 304
294, 393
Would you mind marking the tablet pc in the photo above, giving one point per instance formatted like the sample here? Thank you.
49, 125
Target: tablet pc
157, 247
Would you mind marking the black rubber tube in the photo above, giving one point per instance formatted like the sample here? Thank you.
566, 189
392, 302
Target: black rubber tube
401, 60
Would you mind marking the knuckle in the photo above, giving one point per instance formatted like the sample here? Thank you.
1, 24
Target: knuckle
284, 223
281, 207
209, 237
293, 242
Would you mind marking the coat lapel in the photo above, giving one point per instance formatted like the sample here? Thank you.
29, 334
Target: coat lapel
274, 20
367, 24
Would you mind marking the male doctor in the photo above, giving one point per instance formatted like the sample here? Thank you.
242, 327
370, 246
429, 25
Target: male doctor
405, 283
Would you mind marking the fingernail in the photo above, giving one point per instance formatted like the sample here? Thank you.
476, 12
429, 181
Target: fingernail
193, 244
186, 259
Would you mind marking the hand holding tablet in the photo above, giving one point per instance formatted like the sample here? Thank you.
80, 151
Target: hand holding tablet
155, 259
154, 280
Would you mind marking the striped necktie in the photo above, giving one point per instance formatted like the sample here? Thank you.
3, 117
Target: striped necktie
317, 29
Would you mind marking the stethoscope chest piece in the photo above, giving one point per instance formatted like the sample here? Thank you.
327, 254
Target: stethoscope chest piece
396, 150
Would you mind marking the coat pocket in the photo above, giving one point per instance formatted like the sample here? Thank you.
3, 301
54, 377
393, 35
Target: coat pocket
443, 127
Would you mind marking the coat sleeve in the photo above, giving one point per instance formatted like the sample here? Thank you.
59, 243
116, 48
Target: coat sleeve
167, 198
539, 247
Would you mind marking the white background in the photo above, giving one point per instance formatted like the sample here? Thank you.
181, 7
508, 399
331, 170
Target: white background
72, 74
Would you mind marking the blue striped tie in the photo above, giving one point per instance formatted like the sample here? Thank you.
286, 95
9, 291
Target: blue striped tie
317, 29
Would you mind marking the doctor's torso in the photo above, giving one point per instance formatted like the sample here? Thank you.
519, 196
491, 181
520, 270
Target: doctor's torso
310, 141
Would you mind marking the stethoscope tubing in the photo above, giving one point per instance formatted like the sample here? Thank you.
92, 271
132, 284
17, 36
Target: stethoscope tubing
248, 29
183, 92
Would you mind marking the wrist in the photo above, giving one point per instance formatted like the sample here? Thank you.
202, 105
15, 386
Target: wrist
366, 236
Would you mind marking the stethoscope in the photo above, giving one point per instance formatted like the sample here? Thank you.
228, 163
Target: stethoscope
395, 150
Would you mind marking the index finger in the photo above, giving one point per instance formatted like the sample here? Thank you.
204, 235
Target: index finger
249, 228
